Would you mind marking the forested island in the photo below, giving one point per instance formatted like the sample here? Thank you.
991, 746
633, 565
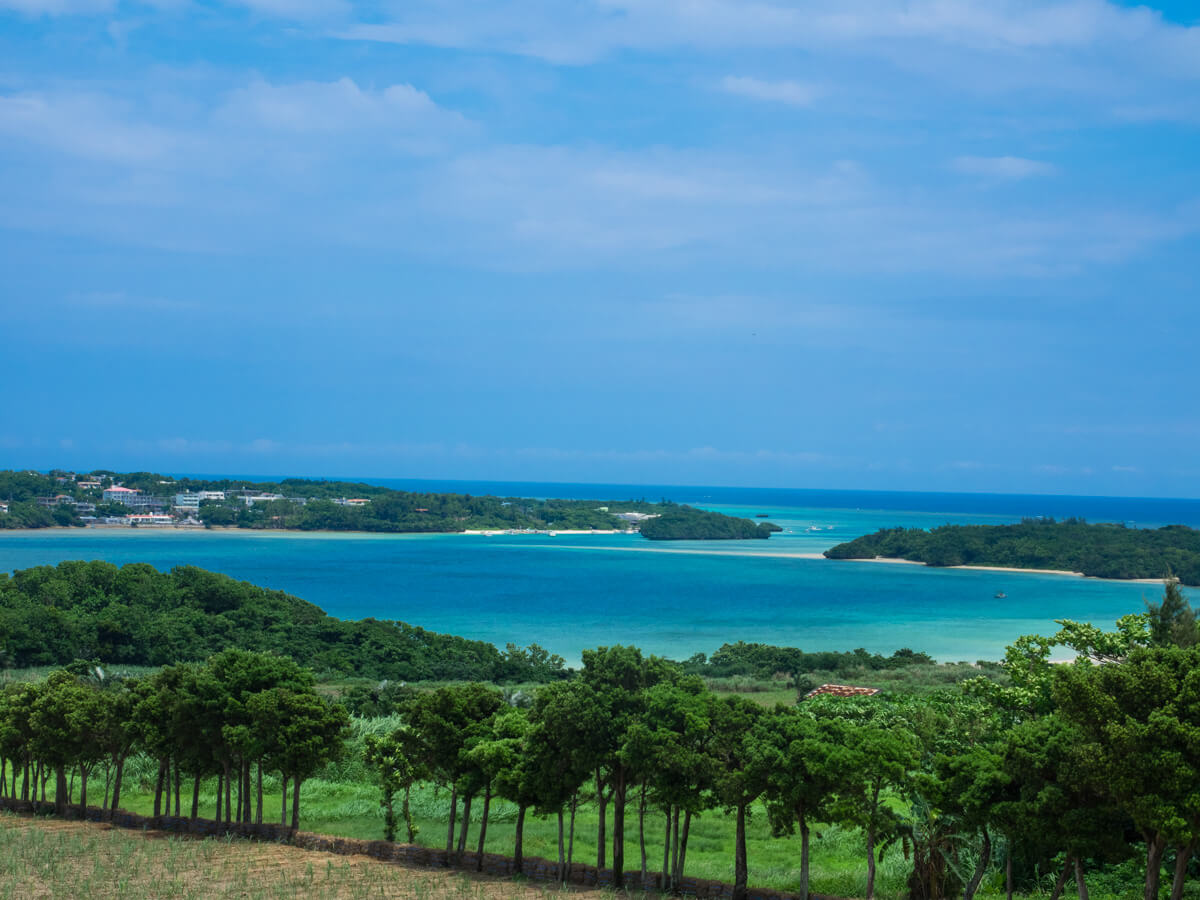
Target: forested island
677, 523
1100, 550
147, 499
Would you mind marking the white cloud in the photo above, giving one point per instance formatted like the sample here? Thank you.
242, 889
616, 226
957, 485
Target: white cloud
1013, 167
583, 32
85, 125
791, 93
336, 106
58, 7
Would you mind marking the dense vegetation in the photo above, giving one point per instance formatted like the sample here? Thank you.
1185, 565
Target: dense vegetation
1071, 770
29, 515
1100, 550
136, 615
317, 505
237, 711
675, 523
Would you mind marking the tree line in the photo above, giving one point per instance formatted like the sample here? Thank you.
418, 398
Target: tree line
1098, 549
1064, 769
236, 717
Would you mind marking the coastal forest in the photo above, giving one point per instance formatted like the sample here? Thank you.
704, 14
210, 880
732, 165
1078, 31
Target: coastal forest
1026, 777
1098, 549
37, 500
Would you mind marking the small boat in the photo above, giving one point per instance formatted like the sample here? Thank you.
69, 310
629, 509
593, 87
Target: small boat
1000, 595
762, 515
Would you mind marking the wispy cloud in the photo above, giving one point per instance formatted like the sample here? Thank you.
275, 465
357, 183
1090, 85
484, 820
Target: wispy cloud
790, 93
1007, 167
338, 106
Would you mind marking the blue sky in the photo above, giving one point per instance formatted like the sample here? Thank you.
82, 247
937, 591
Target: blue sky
844, 243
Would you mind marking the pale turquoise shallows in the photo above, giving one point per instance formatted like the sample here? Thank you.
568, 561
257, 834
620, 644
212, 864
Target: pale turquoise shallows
571, 592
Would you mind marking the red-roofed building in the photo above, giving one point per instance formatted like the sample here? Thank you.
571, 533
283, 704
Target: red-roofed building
842, 690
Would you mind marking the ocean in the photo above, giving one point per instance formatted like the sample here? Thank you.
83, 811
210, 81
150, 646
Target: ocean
572, 592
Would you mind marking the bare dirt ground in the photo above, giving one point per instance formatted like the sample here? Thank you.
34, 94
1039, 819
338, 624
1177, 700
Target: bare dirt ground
49, 858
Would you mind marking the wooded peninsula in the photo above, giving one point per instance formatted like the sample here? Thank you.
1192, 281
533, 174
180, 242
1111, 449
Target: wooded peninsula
148, 499
1100, 550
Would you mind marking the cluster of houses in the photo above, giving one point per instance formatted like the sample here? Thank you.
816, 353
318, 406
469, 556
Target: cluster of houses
150, 509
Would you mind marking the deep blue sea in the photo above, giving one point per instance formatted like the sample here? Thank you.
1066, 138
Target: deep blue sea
571, 592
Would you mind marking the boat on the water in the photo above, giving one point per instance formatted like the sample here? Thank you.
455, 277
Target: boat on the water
1000, 595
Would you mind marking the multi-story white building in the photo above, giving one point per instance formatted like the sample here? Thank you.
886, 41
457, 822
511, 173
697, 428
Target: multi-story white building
188, 501
211, 495
133, 499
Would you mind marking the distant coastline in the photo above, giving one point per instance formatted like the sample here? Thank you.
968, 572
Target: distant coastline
1010, 569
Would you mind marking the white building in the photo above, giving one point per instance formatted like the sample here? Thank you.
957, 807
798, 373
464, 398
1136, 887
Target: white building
211, 495
188, 501
133, 499
251, 499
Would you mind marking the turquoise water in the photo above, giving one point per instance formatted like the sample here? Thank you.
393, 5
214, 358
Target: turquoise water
571, 592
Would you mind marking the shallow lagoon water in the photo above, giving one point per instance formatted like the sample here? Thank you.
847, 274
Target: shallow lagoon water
571, 592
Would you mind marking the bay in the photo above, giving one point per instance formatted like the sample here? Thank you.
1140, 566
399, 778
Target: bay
571, 592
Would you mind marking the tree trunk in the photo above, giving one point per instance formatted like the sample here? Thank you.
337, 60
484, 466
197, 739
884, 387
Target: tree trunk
178, 779
466, 824
683, 842
296, 803
1062, 880
408, 822
453, 817
571, 835
60, 790
158, 788
802, 822
1183, 855
83, 777
241, 800
601, 803
1154, 854
739, 857
674, 848
220, 795
196, 798
116, 795
487, 806
642, 834
1081, 883
562, 850
1008, 873
246, 791
985, 857
519, 849
666, 869
258, 804
228, 794
871, 864
618, 847
283, 816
